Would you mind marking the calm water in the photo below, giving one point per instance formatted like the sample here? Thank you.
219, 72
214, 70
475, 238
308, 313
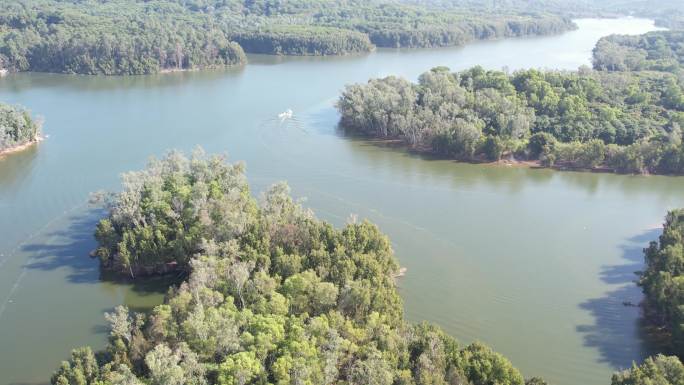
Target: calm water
535, 263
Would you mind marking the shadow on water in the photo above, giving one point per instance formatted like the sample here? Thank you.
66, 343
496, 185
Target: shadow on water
619, 331
70, 248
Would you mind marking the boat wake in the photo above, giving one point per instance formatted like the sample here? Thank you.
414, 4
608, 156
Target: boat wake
285, 121
285, 115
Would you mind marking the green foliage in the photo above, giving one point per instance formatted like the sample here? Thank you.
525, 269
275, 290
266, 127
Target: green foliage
535, 381
493, 147
300, 40
392, 24
287, 299
625, 122
125, 37
540, 143
483, 366
121, 37
658, 370
17, 127
81, 369
654, 51
663, 279
166, 213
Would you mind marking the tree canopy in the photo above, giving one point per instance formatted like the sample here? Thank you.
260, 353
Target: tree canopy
274, 295
660, 370
123, 37
663, 280
626, 122
17, 127
654, 51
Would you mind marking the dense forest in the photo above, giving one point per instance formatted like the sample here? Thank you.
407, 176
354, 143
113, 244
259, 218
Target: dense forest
110, 38
624, 122
654, 51
663, 280
122, 37
17, 127
273, 296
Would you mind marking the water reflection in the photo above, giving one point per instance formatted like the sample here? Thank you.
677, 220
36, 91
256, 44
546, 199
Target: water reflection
21, 82
15, 169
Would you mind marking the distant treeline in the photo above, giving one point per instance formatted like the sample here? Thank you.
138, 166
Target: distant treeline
654, 51
123, 37
392, 25
17, 127
625, 122
299, 40
112, 38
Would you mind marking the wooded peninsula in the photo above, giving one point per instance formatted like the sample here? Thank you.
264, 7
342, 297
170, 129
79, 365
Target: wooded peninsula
626, 116
17, 128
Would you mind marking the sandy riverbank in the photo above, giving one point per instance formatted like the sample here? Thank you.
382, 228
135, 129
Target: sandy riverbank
22, 147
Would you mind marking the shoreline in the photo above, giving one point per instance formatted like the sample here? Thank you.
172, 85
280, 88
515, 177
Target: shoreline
424, 151
173, 70
21, 147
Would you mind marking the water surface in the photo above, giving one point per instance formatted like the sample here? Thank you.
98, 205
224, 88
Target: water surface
535, 263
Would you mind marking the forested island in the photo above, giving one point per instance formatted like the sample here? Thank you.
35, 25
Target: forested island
17, 128
125, 37
273, 296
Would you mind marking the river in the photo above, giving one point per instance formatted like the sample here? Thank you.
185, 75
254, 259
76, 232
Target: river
535, 263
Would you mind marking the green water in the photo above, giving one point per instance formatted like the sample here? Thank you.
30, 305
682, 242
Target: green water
535, 263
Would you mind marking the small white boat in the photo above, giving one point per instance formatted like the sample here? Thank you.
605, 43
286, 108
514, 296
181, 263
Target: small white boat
285, 115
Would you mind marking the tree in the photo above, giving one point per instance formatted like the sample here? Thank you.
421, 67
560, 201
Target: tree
659, 370
17, 127
81, 369
239, 369
493, 148
661, 280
